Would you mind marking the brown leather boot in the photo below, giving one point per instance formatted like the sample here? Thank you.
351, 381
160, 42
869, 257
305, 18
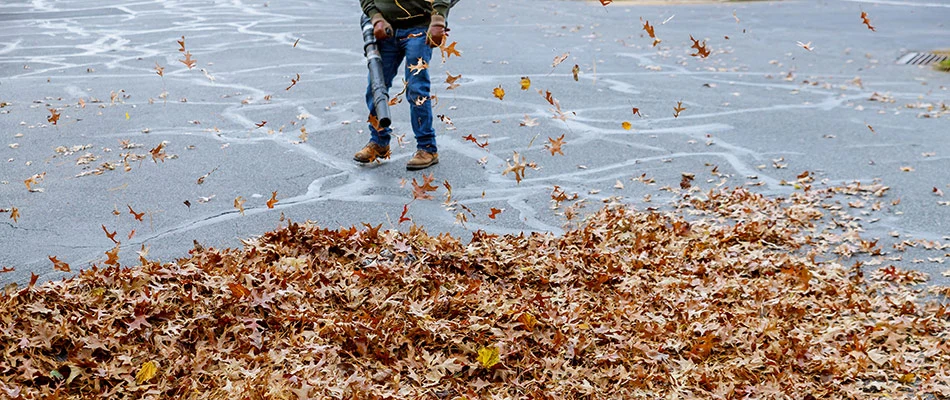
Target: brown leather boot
371, 152
422, 160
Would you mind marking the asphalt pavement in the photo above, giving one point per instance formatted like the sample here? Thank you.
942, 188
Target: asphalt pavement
787, 87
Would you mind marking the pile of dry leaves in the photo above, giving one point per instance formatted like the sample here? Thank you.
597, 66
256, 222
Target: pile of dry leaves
733, 295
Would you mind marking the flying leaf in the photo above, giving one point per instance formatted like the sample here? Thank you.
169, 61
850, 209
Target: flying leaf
181, 45
15, 214
626, 125
605, 3
867, 21
273, 200
374, 122
488, 356
147, 372
525, 83
33, 180
528, 121
636, 111
701, 50
421, 192
516, 166
419, 66
293, 82
494, 212
188, 61
295, 42
59, 265
806, 46
618, 185
111, 236
678, 109
448, 51
499, 92
649, 29
202, 178
54, 116
559, 59
402, 217
138, 216
113, 256
554, 145
160, 70
576, 70
421, 100
239, 204
158, 153
451, 80
871, 128
261, 124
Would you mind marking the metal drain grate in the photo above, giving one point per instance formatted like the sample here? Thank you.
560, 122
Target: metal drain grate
922, 58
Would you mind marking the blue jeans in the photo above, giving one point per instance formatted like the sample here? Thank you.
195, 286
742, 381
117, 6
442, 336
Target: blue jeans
393, 51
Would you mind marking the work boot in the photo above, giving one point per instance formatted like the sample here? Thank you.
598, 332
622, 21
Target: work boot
371, 152
422, 160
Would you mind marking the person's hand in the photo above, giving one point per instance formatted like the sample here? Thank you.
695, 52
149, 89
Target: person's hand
381, 28
436, 34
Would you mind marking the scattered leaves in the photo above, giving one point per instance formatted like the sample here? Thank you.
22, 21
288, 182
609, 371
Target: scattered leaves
866, 20
273, 200
499, 92
239, 204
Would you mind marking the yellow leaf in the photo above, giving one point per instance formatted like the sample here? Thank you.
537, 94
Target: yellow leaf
488, 356
127, 117
148, 371
499, 92
528, 320
525, 83
627, 125
907, 379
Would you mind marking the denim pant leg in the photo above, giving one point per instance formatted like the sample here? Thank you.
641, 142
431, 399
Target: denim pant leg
392, 55
419, 87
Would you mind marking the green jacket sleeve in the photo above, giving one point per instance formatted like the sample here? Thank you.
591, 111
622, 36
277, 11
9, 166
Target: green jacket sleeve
369, 7
441, 7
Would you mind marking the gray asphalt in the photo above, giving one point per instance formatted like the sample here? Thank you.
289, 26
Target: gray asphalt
759, 97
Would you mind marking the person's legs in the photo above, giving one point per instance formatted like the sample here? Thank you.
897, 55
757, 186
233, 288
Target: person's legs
415, 47
392, 54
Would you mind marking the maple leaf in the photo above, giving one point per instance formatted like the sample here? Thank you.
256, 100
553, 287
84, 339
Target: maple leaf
239, 204
402, 217
494, 212
421, 192
528, 121
54, 116
516, 166
59, 265
111, 236
451, 80
419, 66
678, 109
147, 372
188, 61
293, 82
113, 255
181, 45
649, 29
499, 92
867, 21
138, 216
576, 70
555, 145
273, 200
559, 59
160, 70
525, 83
488, 356
158, 153
15, 214
701, 50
